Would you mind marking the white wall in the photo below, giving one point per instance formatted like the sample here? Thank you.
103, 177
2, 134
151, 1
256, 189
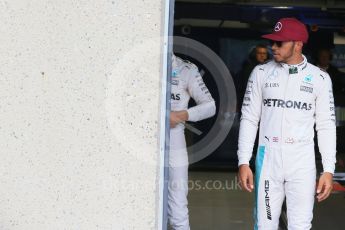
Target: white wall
79, 105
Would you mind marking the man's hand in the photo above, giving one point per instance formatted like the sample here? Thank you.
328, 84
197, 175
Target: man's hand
325, 186
245, 176
178, 117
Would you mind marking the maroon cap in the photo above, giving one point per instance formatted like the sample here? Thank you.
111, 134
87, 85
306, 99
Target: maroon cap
288, 29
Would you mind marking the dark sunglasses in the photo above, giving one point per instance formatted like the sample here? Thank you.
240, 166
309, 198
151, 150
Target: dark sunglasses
278, 43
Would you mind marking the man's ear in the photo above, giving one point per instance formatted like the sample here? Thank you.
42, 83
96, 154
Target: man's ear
299, 45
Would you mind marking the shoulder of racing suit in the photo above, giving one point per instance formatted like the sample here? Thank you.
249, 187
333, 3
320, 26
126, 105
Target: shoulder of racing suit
265, 62
264, 67
188, 71
322, 70
320, 75
181, 63
264, 70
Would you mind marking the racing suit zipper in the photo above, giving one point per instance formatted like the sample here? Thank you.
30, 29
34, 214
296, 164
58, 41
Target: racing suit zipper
283, 115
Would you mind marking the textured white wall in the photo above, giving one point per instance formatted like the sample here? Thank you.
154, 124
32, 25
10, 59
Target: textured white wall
79, 105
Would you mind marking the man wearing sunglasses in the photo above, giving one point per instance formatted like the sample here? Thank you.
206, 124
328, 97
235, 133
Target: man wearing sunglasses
287, 96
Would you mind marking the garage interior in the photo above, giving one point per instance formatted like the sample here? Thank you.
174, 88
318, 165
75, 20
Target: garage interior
231, 29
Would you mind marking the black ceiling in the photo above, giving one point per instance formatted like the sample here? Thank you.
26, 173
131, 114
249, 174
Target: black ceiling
325, 14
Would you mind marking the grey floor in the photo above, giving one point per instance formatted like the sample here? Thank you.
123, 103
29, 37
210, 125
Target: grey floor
216, 202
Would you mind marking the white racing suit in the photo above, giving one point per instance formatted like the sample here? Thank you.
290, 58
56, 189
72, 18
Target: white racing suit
288, 101
186, 82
